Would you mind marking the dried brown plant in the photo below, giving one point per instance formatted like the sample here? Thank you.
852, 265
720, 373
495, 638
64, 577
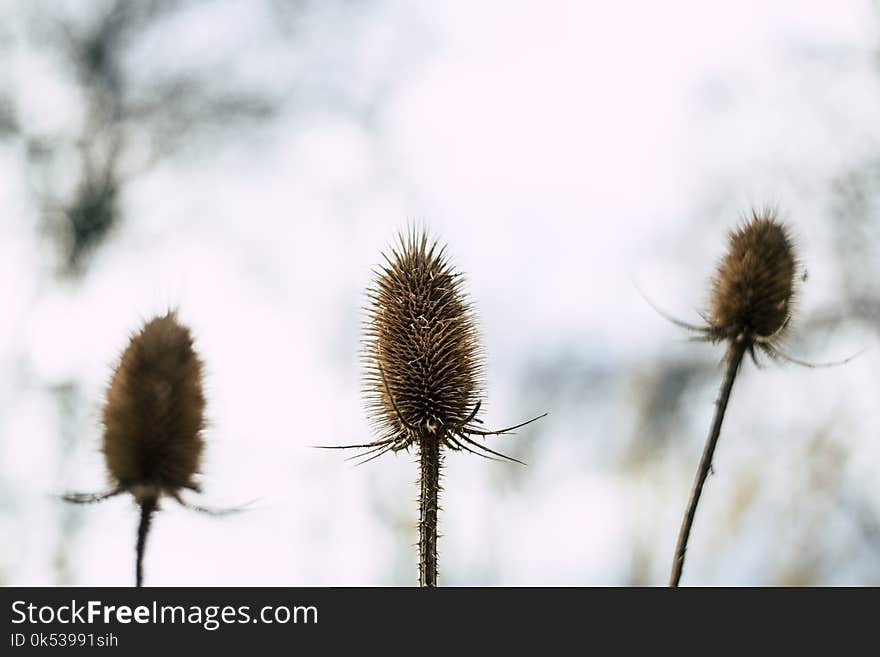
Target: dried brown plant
750, 308
153, 418
423, 381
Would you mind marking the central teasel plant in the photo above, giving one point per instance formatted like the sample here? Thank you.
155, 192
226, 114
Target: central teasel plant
153, 418
424, 373
752, 299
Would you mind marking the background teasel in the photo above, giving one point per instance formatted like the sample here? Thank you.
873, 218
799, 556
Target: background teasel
752, 298
424, 365
754, 289
153, 418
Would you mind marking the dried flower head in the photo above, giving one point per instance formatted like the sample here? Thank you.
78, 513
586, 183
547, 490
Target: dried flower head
154, 412
422, 356
754, 289
423, 377
423, 361
754, 286
750, 307
153, 417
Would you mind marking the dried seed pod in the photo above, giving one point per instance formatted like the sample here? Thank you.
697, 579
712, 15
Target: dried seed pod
752, 298
154, 413
423, 380
754, 286
750, 306
423, 360
153, 418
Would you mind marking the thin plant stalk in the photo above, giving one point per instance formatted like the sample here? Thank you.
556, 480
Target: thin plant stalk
734, 359
430, 461
148, 508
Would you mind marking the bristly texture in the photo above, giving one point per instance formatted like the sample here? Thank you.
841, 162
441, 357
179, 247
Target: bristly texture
154, 412
423, 363
753, 290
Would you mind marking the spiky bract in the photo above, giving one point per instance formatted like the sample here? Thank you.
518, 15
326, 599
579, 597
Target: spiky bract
422, 356
154, 412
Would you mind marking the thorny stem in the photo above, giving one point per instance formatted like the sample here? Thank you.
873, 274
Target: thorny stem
429, 494
148, 507
734, 359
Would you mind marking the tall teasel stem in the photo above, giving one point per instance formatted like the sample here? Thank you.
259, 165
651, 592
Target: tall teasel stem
734, 360
430, 462
750, 309
423, 373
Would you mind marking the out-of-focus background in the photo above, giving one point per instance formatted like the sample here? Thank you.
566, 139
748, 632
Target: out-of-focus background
247, 161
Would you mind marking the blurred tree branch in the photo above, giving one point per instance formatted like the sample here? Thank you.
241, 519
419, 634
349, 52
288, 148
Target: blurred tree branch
118, 107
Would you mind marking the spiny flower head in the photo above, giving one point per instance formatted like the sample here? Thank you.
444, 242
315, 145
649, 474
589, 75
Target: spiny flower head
754, 286
422, 354
154, 412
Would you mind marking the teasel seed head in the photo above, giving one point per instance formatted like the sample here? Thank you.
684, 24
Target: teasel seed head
422, 353
153, 419
750, 307
424, 369
422, 356
154, 412
754, 289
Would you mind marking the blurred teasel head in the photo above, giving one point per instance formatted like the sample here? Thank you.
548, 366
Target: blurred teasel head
154, 412
753, 291
750, 307
153, 417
